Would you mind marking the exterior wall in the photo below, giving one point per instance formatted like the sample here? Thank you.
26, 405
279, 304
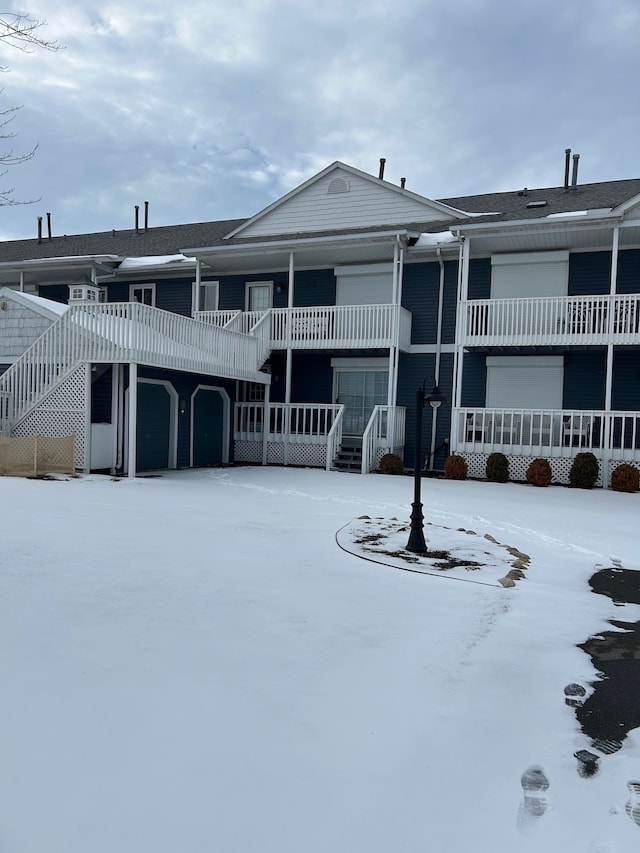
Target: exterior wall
479, 278
185, 384
414, 370
589, 273
420, 295
19, 328
367, 202
629, 271
584, 379
314, 287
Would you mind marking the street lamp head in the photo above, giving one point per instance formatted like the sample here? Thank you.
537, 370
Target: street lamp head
435, 398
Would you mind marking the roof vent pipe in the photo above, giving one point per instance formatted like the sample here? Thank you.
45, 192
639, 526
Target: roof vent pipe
567, 159
39, 229
146, 216
574, 174
137, 216
403, 182
381, 172
49, 225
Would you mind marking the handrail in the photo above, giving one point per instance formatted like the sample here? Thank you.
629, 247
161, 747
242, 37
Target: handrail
126, 331
377, 432
334, 439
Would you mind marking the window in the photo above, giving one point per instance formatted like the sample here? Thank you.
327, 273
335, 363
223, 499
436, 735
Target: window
259, 295
143, 293
208, 298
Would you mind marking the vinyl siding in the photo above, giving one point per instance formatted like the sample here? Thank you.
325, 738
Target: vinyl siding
626, 380
589, 273
414, 370
480, 278
314, 287
474, 380
584, 379
629, 271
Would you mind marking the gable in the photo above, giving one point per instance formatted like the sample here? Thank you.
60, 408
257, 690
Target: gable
342, 198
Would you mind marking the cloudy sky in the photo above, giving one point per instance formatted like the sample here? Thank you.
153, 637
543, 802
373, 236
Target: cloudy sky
211, 109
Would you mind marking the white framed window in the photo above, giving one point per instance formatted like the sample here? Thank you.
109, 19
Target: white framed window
208, 296
258, 295
143, 293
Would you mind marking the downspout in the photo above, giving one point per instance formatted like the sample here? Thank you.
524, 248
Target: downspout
436, 370
608, 393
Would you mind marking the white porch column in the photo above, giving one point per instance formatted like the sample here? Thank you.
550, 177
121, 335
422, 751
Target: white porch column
434, 412
266, 420
133, 419
115, 414
463, 290
87, 418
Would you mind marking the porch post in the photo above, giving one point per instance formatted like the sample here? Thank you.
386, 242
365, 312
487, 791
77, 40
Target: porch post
133, 419
115, 395
606, 431
266, 420
86, 468
463, 288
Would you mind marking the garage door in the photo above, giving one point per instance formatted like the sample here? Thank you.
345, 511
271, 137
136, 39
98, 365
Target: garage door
154, 426
208, 427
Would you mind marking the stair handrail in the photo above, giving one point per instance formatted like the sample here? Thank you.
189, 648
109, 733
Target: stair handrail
370, 436
334, 438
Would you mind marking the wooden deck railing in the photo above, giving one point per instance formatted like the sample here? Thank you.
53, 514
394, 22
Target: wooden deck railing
551, 320
324, 326
548, 432
127, 331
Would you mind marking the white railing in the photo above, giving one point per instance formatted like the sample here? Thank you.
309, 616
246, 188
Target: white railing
296, 423
386, 425
5, 413
334, 438
129, 331
551, 320
548, 432
327, 326
216, 318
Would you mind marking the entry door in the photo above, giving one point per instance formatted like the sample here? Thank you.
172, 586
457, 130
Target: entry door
153, 427
359, 391
208, 427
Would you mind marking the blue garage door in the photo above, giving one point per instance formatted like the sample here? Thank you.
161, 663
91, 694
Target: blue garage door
208, 432
154, 426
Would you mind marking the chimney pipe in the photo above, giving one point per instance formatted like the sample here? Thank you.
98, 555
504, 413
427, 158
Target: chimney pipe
39, 229
137, 208
574, 174
567, 158
146, 216
403, 182
381, 172
49, 225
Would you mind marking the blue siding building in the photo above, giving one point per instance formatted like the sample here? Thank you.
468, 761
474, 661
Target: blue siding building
299, 336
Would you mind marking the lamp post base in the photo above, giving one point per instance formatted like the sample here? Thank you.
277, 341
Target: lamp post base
416, 542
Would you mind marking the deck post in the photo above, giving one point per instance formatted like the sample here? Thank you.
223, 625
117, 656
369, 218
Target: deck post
133, 419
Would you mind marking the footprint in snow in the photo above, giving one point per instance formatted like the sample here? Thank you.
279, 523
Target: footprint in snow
534, 785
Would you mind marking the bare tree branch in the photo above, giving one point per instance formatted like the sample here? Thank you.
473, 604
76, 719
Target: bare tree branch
21, 32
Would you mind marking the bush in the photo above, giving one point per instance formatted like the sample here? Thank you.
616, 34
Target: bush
584, 471
539, 473
455, 468
498, 468
625, 478
391, 464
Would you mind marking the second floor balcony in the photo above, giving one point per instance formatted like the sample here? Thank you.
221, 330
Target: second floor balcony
323, 326
551, 321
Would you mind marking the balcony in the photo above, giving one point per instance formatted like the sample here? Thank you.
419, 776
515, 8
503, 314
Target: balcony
551, 321
548, 432
324, 327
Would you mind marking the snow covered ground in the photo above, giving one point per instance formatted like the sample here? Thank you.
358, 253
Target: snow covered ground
192, 663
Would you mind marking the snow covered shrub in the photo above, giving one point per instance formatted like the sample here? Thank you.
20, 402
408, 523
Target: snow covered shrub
584, 471
498, 468
391, 464
625, 478
455, 468
539, 473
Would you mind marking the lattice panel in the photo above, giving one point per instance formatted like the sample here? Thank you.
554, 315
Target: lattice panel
560, 467
247, 451
275, 453
313, 455
60, 413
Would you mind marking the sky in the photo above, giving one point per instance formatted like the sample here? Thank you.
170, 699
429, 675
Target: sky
234, 676
213, 109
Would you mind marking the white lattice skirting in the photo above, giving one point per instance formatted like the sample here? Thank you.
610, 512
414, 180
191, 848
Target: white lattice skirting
60, 413
477, 465
308, 455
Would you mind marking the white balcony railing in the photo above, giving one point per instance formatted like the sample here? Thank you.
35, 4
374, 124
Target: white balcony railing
127, 331
555, 320
548, 432
324, 326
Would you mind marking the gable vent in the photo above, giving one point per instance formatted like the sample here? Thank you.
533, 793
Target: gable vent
338, 185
